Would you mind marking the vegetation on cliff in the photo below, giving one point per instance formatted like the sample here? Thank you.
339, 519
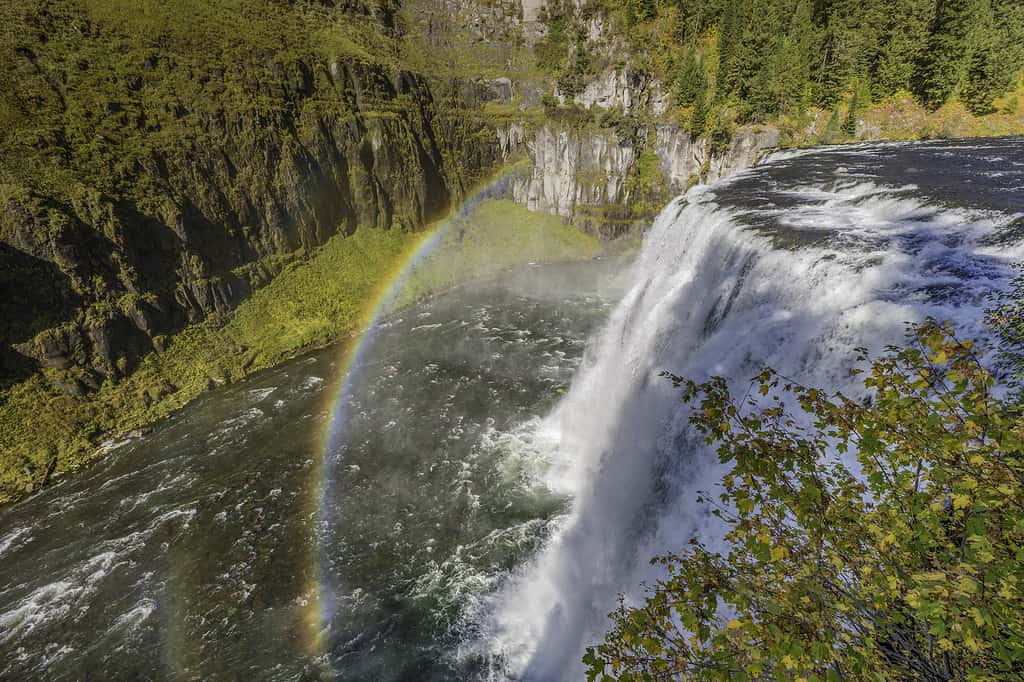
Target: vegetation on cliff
156, 158
877, 539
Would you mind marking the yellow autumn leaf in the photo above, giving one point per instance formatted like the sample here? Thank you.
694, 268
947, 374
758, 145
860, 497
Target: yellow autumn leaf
734, 625
968, 585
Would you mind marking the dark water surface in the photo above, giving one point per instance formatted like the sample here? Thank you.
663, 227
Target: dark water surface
191, 552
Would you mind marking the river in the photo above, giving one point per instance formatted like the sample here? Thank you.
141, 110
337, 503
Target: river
504, 459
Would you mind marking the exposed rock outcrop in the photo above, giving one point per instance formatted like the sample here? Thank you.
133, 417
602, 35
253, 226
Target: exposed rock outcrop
590, 176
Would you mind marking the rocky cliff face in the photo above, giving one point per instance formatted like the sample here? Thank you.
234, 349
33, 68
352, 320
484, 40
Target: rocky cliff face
571, 171
592, 178
686, 160
607, 156
97, 274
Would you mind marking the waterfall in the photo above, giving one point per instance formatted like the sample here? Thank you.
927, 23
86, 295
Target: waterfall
760, 270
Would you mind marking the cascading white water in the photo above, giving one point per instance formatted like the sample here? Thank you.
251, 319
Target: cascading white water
794, 277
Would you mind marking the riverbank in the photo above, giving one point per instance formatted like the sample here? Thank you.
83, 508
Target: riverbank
46, 432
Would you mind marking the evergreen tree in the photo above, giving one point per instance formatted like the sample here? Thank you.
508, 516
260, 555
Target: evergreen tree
982, 80
691, 82
842, 44
793, 64
1009, 29
730, 38
906, 37
698, 119
945, 61
757, 58
571, 79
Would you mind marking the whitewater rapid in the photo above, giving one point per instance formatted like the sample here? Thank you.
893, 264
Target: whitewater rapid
793, 265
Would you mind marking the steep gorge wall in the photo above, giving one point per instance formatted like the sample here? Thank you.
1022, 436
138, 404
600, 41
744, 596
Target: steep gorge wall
196, 181
96, 276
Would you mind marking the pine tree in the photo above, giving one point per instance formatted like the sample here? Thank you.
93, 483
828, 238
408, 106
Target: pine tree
907, 36
1009, 29
793, 64
691, 82
757, 56
842, 48
730, 38
699, 117
982, 80
946, 59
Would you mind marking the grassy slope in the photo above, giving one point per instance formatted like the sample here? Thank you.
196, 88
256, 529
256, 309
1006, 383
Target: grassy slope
309, 305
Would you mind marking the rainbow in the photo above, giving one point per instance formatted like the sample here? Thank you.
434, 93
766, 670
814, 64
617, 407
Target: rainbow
321, 600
